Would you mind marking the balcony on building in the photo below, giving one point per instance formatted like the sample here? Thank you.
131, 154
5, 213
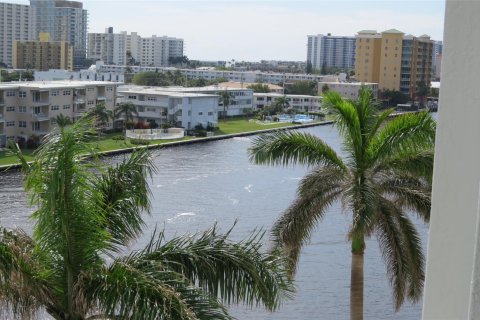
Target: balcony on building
40, 113
2, 118
79, 96
41, 97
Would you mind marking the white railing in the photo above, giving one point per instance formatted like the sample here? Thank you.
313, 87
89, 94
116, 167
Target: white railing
156, 134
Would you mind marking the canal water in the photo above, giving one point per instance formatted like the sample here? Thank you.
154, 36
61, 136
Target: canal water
203, 184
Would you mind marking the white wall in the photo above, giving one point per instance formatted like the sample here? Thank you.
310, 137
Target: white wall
453, 228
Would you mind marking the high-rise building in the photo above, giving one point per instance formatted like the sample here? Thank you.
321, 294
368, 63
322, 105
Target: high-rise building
42, 54
393, 60
437, 58
64, 21
157, 51
122, 48
331, 51
15, 24
108, 47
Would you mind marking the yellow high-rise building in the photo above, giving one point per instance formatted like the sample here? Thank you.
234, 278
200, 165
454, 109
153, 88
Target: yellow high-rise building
393, 60
42, 54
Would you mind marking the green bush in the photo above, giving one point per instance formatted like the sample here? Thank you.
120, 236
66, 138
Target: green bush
139, 142
116, 138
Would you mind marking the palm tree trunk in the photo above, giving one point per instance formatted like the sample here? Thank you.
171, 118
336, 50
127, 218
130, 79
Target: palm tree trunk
356, 280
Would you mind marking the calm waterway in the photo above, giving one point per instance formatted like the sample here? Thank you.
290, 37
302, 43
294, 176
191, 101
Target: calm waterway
200, 184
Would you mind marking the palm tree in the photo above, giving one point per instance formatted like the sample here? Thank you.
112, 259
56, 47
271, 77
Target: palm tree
62, 121
225, 99
281, 104
127, 111
87, 215
386, 173
101, 114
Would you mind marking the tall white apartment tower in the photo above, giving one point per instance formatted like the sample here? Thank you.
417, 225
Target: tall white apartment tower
64, 21
108, 47
134, 46
156, 51
15, 24
331, 51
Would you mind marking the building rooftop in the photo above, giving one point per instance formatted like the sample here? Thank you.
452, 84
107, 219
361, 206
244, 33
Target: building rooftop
54, 84
273, 94
165, 91
393, 31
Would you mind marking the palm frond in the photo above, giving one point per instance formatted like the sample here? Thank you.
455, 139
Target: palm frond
284, 148
401, 250
123, 291
22, 289
317, 191
417, 163
125, 196
404, 132
234, 271
408, 193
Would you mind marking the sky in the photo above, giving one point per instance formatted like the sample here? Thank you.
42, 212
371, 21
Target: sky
261, 30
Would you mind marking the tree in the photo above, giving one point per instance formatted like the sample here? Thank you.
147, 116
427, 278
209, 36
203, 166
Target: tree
127, 111
62, 121
101, 115
303, 87
309, 68
87, 215
422, 92
385, 175
280, 104
259, 88
226, 99
150, 78
323, 70
325, 88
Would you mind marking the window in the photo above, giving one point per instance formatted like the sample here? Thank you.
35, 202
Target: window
200, 113
10, 109
22, 124
90, 102
189, 112
54, 93
22, 109
90, 89
210, 113
22, 94
66, 107
109, 88
54, 108
66, 92
10, 123
132, 97
10, 93
151, 99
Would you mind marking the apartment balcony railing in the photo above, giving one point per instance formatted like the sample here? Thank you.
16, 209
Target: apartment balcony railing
79, 99
2, 119
40, 117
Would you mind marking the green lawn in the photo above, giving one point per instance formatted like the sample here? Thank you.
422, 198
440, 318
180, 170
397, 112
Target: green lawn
231, 126
6, 158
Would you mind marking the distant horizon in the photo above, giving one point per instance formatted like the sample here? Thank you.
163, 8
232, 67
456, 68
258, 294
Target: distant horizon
216, 30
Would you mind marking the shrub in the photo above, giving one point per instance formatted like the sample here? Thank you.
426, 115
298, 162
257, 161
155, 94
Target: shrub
116, 138
139, 142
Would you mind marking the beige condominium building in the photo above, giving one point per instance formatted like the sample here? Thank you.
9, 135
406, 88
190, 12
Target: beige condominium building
43, 54
393, 60
28, 108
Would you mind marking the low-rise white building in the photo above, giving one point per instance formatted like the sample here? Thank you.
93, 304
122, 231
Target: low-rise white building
90, 74
29, 108
299, 102
240, 102
237, 76
158, 106
348, 89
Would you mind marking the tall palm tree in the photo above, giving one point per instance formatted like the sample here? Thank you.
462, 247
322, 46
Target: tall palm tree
87, 215
281, 104
127, 111
101, 114
385, 174
225, 99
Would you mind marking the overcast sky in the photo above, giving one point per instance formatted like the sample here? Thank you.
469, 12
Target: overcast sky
255, 30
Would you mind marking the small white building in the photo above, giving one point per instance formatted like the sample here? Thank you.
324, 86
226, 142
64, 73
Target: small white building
90, 74
297, 101
348, 89
158, 106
